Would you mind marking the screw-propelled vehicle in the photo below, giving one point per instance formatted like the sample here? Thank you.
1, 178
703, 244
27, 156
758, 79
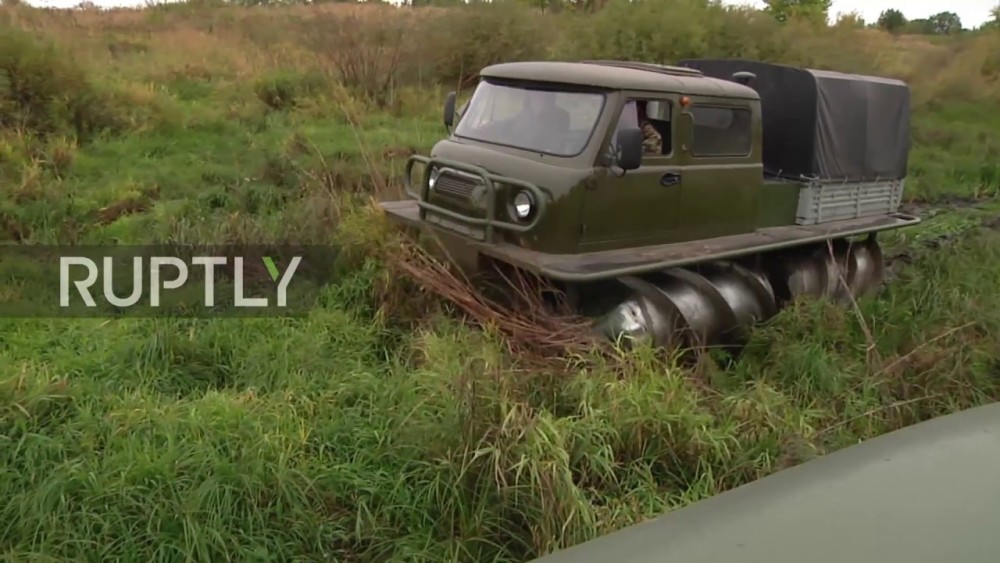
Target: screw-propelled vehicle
755, 189
927, 493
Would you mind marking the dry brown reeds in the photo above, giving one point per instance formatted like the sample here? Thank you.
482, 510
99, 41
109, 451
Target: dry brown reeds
530, 325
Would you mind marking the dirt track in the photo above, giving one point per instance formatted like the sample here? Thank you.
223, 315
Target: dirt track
896, 261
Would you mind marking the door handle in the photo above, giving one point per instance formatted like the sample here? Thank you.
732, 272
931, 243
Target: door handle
670, 179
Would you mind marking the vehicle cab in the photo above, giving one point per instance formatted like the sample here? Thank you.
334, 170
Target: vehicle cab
552, 157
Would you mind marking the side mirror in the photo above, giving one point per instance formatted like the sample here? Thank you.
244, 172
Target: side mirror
449, 109
629, 148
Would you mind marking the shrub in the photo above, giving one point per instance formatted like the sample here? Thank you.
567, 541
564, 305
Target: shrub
286, 90
44, 91
460, 41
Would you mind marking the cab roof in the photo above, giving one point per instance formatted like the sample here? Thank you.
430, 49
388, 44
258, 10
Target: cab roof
621, 75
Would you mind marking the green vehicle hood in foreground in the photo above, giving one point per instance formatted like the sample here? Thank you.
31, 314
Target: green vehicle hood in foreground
926, 493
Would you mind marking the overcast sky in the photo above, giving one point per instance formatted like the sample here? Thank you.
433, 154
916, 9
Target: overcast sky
973, 12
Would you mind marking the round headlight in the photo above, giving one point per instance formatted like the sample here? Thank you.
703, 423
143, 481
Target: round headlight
523, 204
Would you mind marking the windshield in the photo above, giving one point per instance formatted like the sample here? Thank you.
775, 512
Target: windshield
545, 121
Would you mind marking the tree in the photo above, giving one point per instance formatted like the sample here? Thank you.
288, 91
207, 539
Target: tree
852, 20
946, 23
921, 26
782, 10
892, 21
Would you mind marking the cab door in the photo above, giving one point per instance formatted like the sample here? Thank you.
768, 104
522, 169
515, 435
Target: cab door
721, 164
639, 207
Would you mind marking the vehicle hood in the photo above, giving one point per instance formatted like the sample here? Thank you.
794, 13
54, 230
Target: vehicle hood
550, 174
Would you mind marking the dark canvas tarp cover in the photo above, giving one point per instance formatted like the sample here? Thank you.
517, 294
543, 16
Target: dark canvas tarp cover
826, 124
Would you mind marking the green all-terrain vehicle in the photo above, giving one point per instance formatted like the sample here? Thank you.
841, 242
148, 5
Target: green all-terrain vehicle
762, 177
928, 493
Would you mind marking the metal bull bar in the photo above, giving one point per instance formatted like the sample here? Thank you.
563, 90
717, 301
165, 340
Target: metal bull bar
490, 223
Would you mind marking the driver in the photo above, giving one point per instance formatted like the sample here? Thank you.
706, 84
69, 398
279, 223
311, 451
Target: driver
652, 143
542, 123
542, 110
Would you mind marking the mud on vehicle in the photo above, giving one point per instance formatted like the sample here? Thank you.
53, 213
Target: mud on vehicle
752, 189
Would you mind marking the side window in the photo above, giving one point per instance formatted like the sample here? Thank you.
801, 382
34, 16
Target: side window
654, 118
721, 131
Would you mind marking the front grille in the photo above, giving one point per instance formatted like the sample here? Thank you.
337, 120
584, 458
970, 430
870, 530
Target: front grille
455, 185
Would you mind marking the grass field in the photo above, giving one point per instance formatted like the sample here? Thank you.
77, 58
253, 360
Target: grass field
367, 431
